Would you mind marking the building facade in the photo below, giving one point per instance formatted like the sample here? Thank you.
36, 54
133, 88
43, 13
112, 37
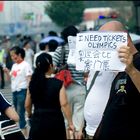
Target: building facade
22, 17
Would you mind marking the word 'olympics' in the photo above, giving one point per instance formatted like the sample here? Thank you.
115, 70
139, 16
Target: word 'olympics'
98, 51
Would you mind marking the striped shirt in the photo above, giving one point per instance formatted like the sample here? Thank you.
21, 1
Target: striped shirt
77, 76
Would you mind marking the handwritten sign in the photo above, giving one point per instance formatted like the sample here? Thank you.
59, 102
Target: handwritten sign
72, 47
98, 51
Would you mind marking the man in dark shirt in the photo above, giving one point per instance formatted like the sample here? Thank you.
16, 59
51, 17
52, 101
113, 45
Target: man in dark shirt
121, 120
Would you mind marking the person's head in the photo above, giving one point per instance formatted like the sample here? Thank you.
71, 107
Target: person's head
52, 33
69, 31
118, 26
37, 84
18, 36
44, 62
42, 35
43, 46
113, 26
26, 44
17, 54
52, 44
6, 39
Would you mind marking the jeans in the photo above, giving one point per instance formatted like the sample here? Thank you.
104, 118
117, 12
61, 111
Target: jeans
19, 102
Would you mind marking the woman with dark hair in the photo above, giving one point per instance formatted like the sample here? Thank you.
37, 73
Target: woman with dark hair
47, 95
76, 92
20, 74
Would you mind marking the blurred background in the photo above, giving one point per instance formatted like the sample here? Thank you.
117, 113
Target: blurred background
31, 17
32, 20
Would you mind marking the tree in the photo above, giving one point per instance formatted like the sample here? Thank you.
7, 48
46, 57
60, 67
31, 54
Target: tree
64, 13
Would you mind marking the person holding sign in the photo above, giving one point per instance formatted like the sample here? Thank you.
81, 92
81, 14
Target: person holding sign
76, 91
96, 100
120, 119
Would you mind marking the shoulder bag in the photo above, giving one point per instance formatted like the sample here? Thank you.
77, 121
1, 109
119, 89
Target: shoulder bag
63, 73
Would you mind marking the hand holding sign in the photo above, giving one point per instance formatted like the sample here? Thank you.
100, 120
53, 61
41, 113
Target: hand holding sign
98, 51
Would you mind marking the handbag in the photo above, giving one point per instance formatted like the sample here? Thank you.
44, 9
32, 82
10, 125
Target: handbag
9, 130
63, 73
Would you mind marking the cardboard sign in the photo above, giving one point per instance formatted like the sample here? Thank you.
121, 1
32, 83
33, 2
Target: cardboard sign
98, 51
72, 47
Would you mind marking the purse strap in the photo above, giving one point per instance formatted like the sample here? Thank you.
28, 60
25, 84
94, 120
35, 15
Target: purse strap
92, 82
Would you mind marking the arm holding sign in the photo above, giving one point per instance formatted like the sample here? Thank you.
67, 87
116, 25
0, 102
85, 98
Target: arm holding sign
124, 96
126, 57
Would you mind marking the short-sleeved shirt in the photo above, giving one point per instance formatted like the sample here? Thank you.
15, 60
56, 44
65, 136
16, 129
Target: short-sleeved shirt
121, 118
19, 74
76, 75
4, 104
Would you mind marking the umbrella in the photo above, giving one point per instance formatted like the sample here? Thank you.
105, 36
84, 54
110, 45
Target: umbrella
56, 38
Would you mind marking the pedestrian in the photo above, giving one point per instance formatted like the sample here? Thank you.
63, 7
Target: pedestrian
7, 43
43, 48
47, 96
52, 45
96, 100
2, 65
7, 112
29, 53
20, 74
76, 92
120, 120
52, 33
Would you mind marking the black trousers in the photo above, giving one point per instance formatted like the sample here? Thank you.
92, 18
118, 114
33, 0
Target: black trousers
2, 77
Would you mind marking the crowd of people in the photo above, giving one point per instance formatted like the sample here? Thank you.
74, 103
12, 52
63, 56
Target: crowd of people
108, 112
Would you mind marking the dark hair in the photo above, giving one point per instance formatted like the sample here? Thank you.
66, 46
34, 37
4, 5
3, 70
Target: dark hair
42, 46
37, 83
52, 33
17, 50
43, 62
69, 30
26, 42
53, 44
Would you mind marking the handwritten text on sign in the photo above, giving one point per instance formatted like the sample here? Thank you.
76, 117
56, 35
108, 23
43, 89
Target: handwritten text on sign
98, 51
72, 47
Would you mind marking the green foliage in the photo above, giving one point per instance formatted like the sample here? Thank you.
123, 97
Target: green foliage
64, 13
29, 16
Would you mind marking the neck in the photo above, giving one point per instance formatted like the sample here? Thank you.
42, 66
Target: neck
48, 74
20, 61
